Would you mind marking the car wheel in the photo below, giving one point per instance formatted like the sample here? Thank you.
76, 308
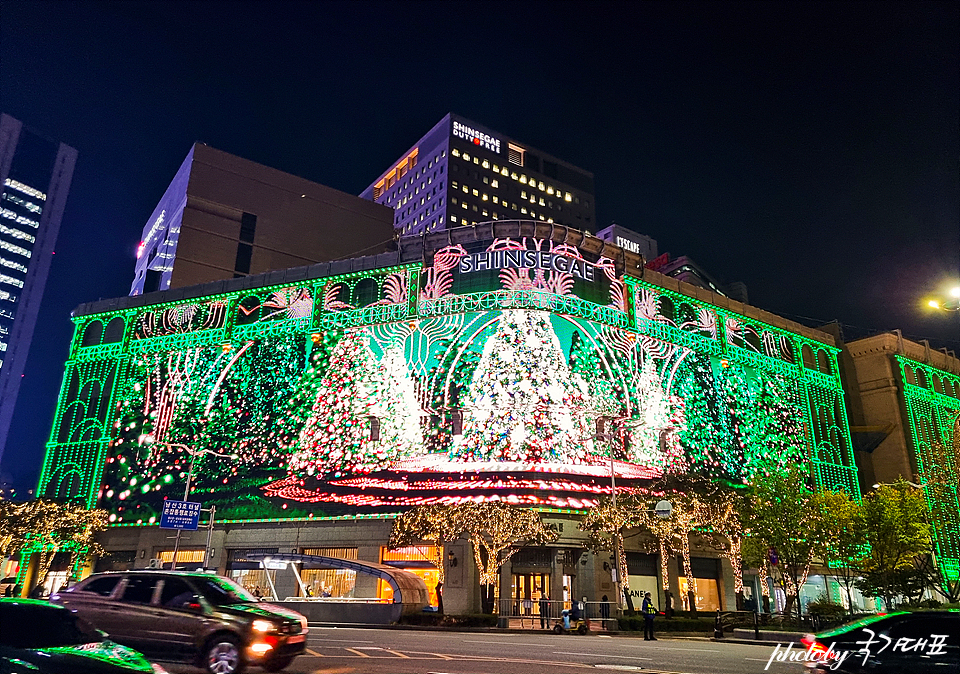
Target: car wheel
277, 664
223, 655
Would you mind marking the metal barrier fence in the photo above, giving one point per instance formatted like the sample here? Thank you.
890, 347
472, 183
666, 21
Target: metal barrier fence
544, 613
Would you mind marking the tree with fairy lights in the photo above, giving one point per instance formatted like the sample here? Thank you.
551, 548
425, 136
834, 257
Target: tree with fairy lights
707, 439
523, 404
587, 364
437, 524
446, 385
334, 441
605, 524
497, 531
766, 428
396, 407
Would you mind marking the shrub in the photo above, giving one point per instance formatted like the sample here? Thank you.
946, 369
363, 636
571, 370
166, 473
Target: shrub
826, 610
436, 620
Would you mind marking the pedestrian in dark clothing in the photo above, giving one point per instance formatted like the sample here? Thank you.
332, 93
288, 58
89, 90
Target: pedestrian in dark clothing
544, 611
649, 612
605, 607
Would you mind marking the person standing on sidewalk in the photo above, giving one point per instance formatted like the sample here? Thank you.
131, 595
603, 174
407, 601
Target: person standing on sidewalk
649, 612
544, 611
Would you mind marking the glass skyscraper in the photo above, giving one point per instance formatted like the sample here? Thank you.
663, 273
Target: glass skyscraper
35, 175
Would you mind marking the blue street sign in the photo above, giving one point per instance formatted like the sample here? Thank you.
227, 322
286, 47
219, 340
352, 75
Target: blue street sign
180, 515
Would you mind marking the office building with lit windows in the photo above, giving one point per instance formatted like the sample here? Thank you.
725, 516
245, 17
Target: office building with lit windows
225, 217
35, 175
461, 173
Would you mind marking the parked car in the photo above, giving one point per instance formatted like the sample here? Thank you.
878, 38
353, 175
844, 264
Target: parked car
37, 637
6, 585
193, 617
921, 642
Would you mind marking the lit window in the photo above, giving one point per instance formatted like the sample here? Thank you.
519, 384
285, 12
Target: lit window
26, 189
464, 205
495, 183
466, 189
475, 209
549, 219
9, 280
523, 179
455, 152
443, 154
453, 218
533, 199
515, 176
453, 200
503, 171
541, 202
496, 199
549, 189
17, 234
496, 169
514, 207
10, 264
485, 197
485, 164
486, 180
523, 210
476, 160
568, 197
523, 194
466, 157
441, 220
541, 217
542, 186
485, 213
494, 215
476, 192
454, 184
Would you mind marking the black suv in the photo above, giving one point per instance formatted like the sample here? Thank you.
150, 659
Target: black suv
194, 617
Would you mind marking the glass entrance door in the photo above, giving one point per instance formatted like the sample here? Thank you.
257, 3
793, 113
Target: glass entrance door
528, 590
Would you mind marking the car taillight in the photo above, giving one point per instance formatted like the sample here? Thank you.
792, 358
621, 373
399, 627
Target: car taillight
814, 646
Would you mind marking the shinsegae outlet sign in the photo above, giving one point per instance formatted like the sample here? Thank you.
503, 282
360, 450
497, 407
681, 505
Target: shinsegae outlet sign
528, 259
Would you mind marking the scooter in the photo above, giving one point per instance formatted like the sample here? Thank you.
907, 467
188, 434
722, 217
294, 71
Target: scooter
579, 626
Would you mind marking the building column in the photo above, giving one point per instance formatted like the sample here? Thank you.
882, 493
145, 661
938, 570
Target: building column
728, 595
674, 582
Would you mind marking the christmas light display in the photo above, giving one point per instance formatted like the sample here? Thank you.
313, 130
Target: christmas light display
292, 380
933, 411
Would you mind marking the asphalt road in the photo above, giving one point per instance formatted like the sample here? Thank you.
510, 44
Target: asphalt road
344, 650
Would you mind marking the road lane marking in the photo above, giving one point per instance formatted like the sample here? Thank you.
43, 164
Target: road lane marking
511, 643
602, 655
359, 641
397, 653
314, 653
369, 648
356, 652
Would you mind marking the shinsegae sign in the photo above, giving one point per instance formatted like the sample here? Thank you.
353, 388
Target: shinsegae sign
527, 259
478, 138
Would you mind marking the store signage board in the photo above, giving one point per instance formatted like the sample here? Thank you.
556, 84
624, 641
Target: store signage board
180, 515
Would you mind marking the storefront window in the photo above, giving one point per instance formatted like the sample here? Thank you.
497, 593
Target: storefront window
250, 574
528, 589
421, 560
186, 559
330, 582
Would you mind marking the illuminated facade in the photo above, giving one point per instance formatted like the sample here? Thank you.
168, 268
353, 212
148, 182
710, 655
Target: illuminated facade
461, 173
35, 175
904, 402
471, 364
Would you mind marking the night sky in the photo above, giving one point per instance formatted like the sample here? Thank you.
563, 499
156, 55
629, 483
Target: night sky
809, 150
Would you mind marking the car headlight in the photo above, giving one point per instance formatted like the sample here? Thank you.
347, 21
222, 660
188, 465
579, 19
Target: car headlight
263, 626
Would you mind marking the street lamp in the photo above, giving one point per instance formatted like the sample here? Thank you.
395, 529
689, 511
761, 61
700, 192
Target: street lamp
877, 485
952, 303
186, 491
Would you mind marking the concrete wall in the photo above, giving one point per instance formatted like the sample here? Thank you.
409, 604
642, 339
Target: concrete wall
299, 222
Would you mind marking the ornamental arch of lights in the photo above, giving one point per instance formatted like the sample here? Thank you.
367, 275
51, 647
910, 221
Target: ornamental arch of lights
527, 351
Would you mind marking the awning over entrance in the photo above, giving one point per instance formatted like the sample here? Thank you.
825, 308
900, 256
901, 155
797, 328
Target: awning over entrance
408, 588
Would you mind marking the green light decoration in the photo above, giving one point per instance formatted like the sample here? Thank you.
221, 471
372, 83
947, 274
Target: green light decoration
287, 377
933, 412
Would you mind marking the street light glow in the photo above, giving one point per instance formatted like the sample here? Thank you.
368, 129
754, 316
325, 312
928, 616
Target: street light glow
955, 291
933, 304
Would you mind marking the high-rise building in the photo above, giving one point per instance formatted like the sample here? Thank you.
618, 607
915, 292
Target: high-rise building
461, 173
682, 268
225, 217
35, 175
